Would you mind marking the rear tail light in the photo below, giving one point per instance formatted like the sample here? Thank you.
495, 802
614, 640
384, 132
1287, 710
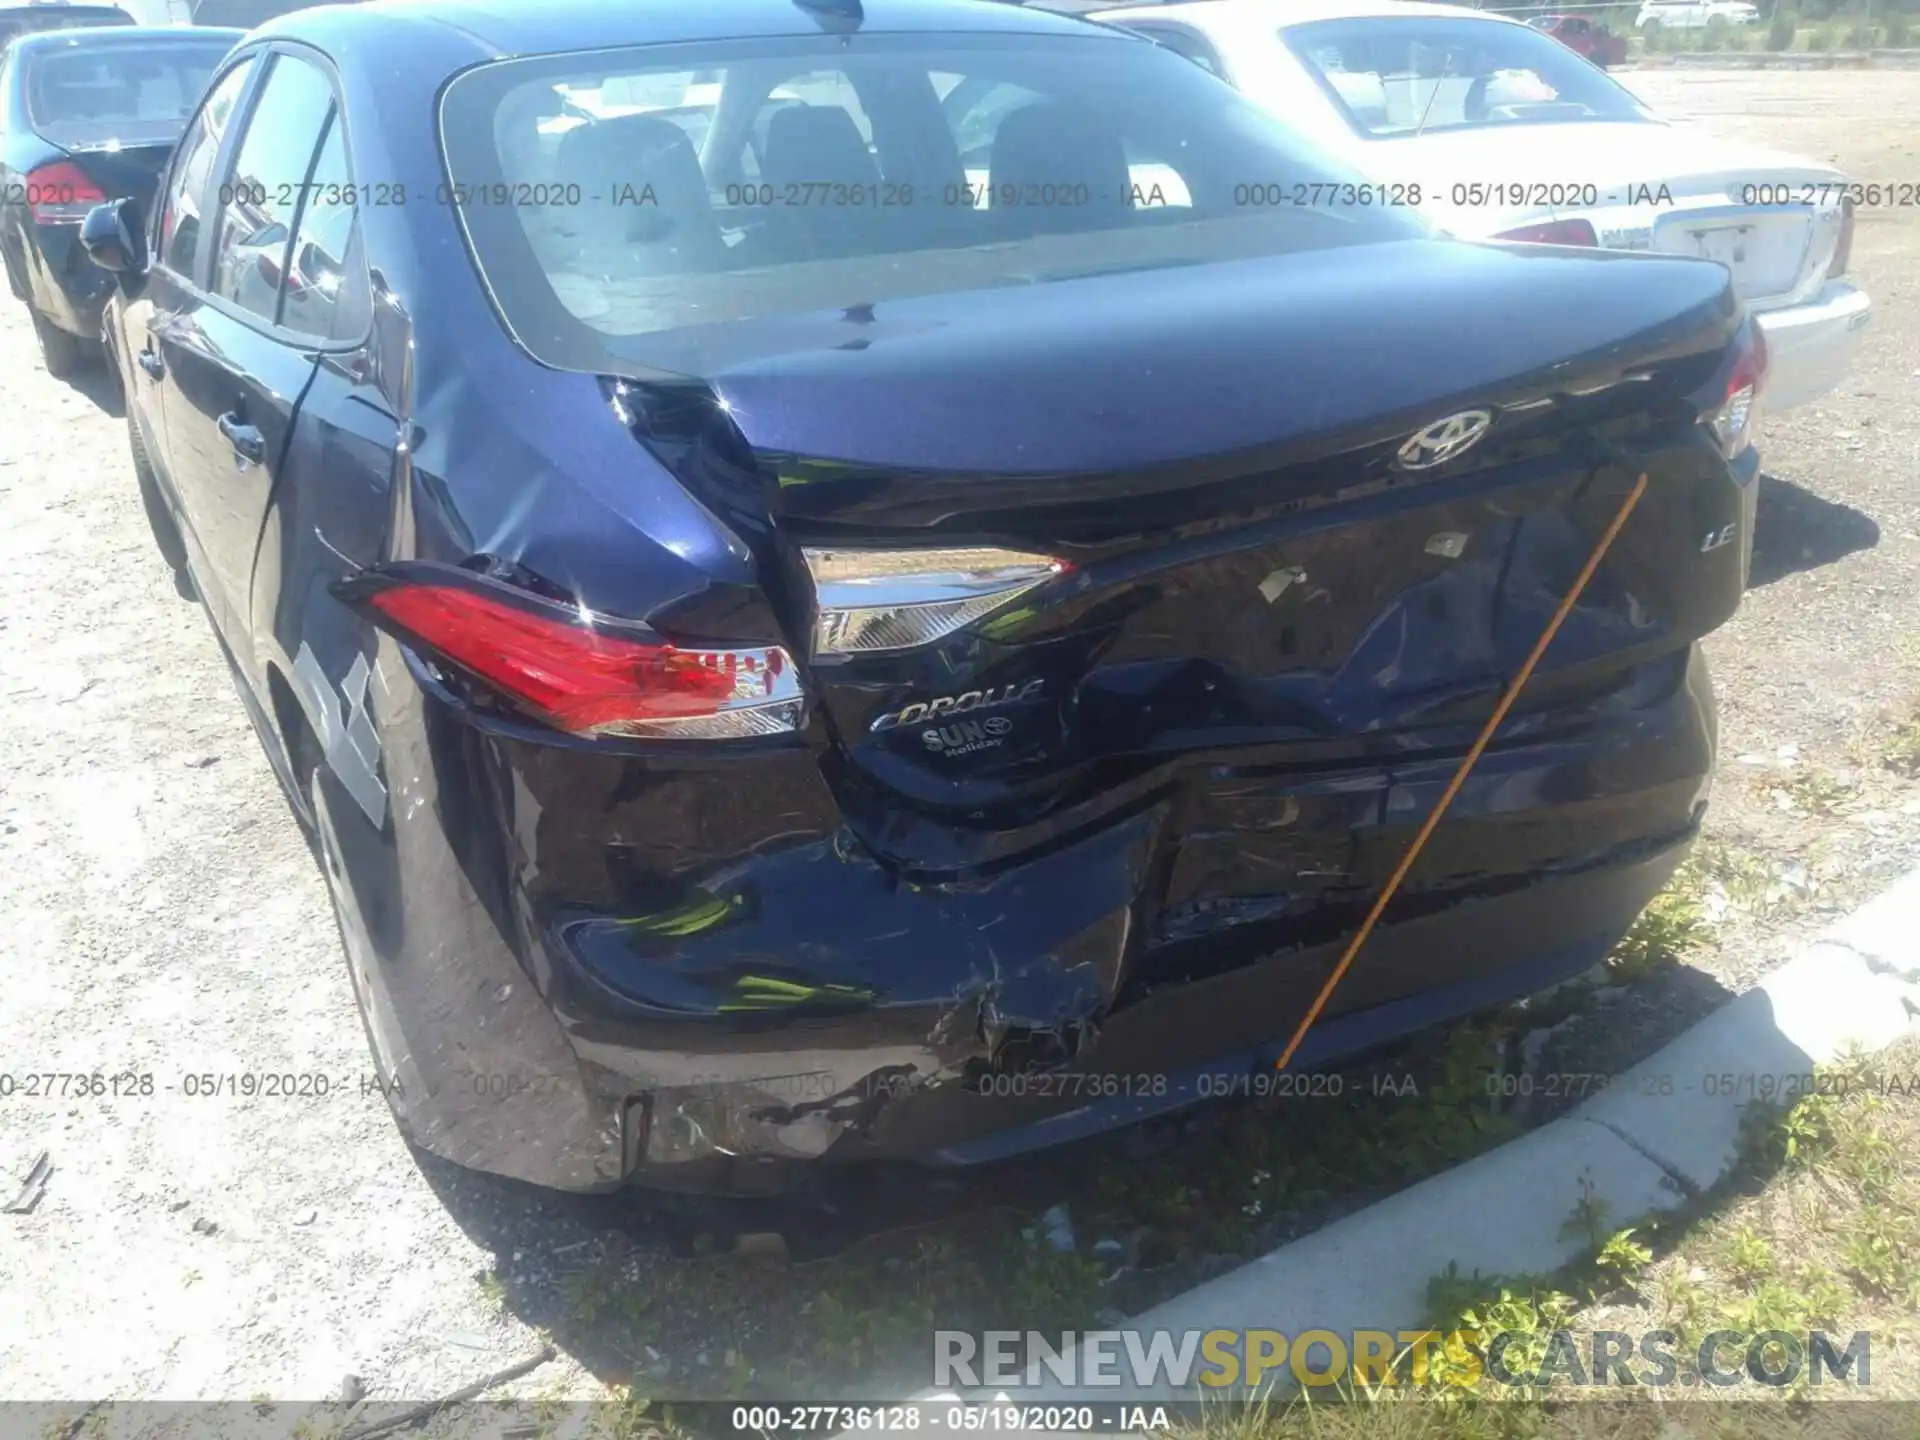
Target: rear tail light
61, 191
1842, 247
1733, 421
1554, 232
579, 672
873, 601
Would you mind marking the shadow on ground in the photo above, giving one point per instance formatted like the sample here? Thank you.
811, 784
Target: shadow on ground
1796, 530
835, 1290
97, 384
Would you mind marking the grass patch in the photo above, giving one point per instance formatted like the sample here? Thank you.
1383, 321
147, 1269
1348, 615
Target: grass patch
1735, 878
1673, 926
1817, 1228
1151, 1214
1815, 791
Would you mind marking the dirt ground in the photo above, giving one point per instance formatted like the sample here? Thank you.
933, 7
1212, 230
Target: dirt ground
162, 916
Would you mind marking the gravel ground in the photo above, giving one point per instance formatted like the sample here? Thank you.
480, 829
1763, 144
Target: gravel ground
162, 916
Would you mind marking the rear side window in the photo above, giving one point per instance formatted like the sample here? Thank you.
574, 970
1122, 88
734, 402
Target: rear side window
190, 179
261, 195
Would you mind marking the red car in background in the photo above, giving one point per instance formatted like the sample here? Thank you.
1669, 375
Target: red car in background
1584, 37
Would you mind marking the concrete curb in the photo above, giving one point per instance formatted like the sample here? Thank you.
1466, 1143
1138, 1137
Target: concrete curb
1662, 1132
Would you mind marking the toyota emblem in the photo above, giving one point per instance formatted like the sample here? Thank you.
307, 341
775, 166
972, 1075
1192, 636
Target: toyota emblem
1441, 441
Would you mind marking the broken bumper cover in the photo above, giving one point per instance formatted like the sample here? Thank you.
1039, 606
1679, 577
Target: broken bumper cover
843, 1093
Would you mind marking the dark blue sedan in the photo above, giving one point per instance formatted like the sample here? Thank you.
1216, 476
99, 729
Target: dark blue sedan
844, 583
86, 114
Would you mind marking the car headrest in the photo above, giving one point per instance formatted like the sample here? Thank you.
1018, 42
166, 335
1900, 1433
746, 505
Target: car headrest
617, 160
1050, 145
816, 143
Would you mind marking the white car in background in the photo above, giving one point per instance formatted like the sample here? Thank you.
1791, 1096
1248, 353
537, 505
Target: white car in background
1496, 131
1694, 14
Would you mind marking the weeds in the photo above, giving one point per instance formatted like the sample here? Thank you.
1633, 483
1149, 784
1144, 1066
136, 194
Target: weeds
1814, 791
1671, 927
1748, 1256
1883, 1254
1902, 751
493, 1290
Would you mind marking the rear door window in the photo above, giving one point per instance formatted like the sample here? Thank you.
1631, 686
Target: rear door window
325, 294
189, 181
260, 197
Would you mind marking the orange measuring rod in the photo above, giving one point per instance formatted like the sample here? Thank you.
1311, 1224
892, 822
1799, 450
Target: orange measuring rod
1512, 693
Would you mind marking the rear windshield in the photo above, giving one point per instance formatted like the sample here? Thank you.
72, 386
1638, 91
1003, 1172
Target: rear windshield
132, 91
1392, 76
58, 17
630, 204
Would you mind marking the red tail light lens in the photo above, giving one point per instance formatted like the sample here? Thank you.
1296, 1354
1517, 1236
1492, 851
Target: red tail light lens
1554, 232
61, 191
1843, 247
585, 679
1733, 421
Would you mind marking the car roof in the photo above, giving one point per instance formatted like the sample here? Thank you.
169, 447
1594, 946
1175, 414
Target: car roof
535, 27
1236, 14
93, 34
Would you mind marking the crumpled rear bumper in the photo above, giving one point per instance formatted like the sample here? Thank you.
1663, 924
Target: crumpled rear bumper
587, 971
1186, 1045
963, 1049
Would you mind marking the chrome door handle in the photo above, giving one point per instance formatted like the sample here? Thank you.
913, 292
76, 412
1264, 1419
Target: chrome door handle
247, 441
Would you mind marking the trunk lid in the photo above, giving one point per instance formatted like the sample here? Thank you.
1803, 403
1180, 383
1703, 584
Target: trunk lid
1214, 453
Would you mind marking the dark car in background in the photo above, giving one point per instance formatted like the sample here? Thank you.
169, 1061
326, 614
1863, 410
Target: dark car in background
793, 654
1586, 37
44, 15
86, 116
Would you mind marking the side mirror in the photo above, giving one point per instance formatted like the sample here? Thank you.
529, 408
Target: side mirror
114, 239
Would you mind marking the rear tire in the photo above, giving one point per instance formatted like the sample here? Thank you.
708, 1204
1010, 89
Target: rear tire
166, 534
64, 355
356, 947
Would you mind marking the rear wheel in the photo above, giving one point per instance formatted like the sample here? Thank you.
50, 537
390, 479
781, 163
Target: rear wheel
64, 355
358, 944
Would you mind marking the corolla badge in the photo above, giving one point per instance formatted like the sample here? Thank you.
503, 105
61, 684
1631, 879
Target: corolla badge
1441, 441
949, 706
